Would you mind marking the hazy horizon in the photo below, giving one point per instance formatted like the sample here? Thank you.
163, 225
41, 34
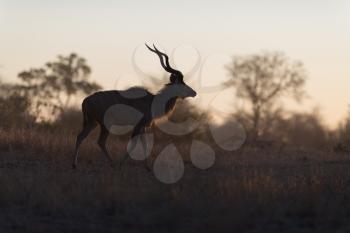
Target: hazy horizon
315, 32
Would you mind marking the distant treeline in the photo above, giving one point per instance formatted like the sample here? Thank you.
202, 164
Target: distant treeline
42, 99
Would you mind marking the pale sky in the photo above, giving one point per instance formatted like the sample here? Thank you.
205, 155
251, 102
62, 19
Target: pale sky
106, 33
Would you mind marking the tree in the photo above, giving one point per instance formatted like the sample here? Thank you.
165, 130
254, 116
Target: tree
14, 108
51, 88
303, 130
262, 79
343, 134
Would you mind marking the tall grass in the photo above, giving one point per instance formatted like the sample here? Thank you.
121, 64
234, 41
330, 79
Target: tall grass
249, 190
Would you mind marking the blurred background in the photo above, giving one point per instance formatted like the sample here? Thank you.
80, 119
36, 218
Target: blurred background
276, 63
272, 74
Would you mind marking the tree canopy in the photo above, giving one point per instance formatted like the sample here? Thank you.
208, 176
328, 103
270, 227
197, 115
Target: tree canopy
51, 87
262, 79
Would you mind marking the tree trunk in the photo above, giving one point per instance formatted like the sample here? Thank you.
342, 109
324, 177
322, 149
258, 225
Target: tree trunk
256, 122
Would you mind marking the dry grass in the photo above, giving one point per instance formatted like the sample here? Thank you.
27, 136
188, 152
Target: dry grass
248, 190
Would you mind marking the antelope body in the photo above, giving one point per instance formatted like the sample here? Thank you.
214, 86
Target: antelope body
147, 108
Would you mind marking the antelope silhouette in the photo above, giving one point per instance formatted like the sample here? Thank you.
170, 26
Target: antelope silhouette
150, 106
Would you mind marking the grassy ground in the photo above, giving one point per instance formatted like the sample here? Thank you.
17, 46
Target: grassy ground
250, 190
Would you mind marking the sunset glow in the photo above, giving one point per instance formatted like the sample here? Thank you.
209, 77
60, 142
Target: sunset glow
315, 32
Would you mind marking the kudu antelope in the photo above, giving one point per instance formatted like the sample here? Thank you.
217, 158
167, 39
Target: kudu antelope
151, 106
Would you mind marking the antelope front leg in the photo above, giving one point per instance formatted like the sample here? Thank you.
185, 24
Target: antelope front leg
146, 152
136, 134
140, 135
122, 161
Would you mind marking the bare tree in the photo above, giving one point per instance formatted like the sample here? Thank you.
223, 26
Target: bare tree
303, 130
14, 108
72, 73
262, 79
51, 87
343, 134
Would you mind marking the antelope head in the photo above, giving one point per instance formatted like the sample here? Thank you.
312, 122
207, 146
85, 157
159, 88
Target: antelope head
177, 84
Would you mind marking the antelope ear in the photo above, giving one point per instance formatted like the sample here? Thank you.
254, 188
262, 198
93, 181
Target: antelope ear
173, 78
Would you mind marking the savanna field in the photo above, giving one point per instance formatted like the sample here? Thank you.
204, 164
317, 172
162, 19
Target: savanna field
241, 107
291, 174
253, 189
